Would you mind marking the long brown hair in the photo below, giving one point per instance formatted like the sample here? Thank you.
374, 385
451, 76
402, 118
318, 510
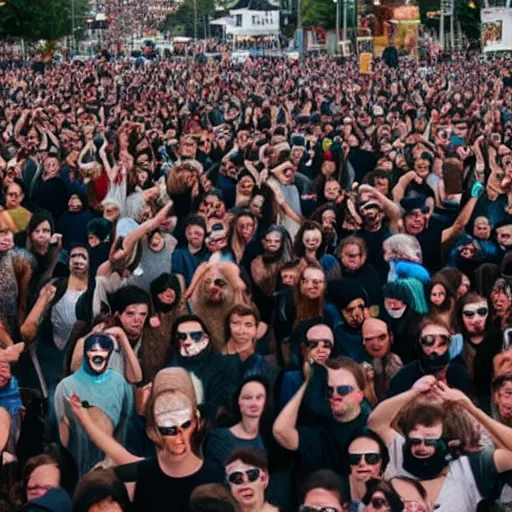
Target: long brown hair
307, 308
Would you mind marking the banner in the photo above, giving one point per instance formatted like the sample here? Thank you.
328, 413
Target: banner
496, 29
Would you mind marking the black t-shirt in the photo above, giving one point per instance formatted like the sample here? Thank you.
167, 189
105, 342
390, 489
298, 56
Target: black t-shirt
156, 491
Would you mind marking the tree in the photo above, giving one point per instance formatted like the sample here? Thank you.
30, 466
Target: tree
182, 21
34, 20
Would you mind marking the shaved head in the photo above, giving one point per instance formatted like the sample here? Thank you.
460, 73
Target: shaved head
376, 338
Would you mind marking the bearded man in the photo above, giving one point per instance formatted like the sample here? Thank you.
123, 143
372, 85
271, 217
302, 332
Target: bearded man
214, 290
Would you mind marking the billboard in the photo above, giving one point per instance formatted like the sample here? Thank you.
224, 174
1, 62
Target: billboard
496, 29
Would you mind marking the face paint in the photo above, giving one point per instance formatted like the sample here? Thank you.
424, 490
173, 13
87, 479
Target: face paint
192, 343
396, 313
97, 351
170, 422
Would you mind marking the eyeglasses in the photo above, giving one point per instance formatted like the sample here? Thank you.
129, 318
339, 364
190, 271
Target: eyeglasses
195, 336
174, 431
470, 313
237, 477
431, 339
307, 508
370, 458
315, 282
340, 390
311, 344
217, 282
417, 441
378, 503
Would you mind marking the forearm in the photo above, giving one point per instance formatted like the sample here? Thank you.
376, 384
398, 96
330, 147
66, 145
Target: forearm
28, 329
460, 222
385, 413
500, 433
400, 188
133, 371
285, 427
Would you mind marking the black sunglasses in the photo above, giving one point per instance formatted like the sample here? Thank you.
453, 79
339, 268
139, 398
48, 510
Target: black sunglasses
430, 339
468, 313
237, 477
174, 431
195, 336
370, 458
311, 344
307, 508
341, 390
417, 441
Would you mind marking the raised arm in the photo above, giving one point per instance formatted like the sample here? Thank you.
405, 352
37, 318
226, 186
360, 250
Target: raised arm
460, 222
28, 329
392, 211
382, 418
133, 371
285, 427
106, 443
400, 188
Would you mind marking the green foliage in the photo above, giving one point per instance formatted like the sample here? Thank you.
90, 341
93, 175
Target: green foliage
322, 13
34, 20
182, 21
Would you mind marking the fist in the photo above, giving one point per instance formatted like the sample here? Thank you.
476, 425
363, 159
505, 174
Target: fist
424, 384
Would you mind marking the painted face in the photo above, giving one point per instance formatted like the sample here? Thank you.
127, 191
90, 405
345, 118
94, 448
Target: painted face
503, 400
328, 221
312, 284
51, 168
246, 186
378, 503
376, 339
175, 423
437, 295
79, 260
467, 251
354, 313
243, 329
41, 480
97, 352
41, 235
482, 228
320, 342
215, 287
439, 340
245, 226
352, 257
13, 197
272, 242
312, 238
474, 317
247, 483
191, 339
133, 319
289, 277
365, 459
343, 393
252, 400
217, 239
422, 432
500, 302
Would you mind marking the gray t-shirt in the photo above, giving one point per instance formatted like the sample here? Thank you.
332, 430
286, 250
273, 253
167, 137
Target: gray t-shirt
469, 479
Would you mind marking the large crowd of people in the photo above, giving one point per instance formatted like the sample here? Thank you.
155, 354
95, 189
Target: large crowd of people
256, 286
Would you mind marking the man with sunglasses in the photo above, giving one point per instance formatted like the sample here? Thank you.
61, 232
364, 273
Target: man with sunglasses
247, 477
341, 385
433, 359
322, 492
214, 375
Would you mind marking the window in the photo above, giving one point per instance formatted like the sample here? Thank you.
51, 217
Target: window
238, 20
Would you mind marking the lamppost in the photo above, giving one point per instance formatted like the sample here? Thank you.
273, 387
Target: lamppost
72, 27
337, 2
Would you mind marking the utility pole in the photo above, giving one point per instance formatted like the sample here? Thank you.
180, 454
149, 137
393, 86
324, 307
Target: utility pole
452, 25
299, 31
337, 2
345, 16
441, 27
72, 27
195, 20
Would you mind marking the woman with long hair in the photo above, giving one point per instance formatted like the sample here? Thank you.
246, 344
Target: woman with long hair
242, 229
251, 422
442, 298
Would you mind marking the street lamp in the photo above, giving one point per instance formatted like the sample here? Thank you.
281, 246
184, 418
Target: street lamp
337, 2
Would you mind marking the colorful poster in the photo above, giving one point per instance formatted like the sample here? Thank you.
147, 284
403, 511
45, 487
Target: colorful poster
496, 29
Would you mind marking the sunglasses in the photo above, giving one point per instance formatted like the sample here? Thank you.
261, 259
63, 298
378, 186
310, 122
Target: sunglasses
470, 313
237, 477
307, 508
417, 441
195, 336
430, 340
174, 431
311, 344
378, 503
340, 390
370, 458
